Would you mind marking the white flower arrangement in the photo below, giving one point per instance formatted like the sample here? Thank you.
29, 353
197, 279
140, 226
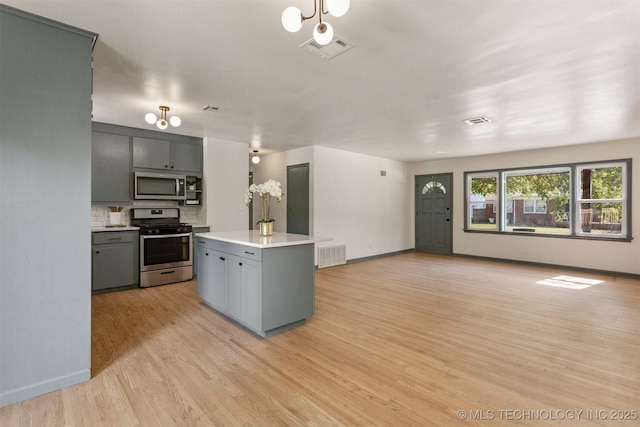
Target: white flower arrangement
266, 191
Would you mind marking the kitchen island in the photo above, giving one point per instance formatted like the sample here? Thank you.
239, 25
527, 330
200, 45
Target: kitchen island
264, 283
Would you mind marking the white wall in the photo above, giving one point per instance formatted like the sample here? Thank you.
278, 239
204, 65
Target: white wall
349, 201
600, 255
355, 205
374, 215
226, 177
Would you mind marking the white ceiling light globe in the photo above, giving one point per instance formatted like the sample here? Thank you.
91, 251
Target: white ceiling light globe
175, 121
255, 159
292, 19
150, 118
338, 8
323, 37
162, 124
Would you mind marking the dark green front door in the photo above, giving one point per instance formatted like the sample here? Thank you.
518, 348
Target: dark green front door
434, 213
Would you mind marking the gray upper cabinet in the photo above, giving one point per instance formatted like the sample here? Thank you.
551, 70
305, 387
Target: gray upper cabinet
151, 153
110, 168
186, 157
166, 155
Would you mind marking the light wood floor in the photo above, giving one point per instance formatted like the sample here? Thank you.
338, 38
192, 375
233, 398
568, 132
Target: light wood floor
405, 340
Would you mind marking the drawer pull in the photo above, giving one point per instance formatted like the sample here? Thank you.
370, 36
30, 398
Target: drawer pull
115, 238
249, 253
239, 263
221, 258
168, 272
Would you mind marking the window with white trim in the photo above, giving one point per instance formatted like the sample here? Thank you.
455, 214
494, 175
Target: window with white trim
534, 206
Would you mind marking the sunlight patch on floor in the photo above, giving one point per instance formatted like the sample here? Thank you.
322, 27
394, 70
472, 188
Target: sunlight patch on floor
570, 282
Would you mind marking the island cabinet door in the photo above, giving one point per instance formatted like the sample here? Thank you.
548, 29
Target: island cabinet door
234, 294
211, 276
219, 266
252, 290
205, 273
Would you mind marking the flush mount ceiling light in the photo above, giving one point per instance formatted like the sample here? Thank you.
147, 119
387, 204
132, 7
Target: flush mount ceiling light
292, 18
162, 122
255, 159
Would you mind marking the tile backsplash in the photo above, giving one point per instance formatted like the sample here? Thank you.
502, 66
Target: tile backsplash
100, 214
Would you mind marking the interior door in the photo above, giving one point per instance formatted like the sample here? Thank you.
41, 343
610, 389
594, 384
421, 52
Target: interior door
298, 199
433, 213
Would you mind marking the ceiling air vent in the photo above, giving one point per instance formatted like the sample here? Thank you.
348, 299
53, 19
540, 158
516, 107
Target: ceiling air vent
211, 108
477, 120
328, 51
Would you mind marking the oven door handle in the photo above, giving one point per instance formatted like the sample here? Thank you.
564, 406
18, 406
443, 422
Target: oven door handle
164, 236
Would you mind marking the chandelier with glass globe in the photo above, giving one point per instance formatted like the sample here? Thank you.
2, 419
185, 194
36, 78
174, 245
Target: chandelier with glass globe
292, 18
162, 122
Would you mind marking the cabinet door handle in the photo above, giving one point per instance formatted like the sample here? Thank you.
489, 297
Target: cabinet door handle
206, 253
97, 252
249, 253
221, 259
239, 263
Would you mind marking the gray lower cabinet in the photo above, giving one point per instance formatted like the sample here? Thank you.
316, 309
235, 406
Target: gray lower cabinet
115, 260
267, 290
197, 229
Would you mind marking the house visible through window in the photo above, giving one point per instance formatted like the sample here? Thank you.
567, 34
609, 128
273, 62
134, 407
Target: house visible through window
572, 200
601, 200
482, 202
532, 206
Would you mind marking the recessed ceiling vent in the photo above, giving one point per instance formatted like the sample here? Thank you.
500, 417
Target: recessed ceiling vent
211, 108
328, 51
478, 120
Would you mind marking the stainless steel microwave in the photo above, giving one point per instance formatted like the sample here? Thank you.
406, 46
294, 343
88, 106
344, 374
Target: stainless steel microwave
158, 186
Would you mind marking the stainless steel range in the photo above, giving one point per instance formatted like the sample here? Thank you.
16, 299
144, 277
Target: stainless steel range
166, 250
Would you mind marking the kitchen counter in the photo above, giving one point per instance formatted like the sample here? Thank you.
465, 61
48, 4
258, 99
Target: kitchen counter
254, 239
124, 228
264, 283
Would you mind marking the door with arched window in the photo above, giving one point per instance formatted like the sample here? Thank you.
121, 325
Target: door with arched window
434, 213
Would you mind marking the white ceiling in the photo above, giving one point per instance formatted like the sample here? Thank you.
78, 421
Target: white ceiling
547, 72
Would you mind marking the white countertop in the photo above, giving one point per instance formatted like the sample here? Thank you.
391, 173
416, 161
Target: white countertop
128, 228
253, 238
125, 228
